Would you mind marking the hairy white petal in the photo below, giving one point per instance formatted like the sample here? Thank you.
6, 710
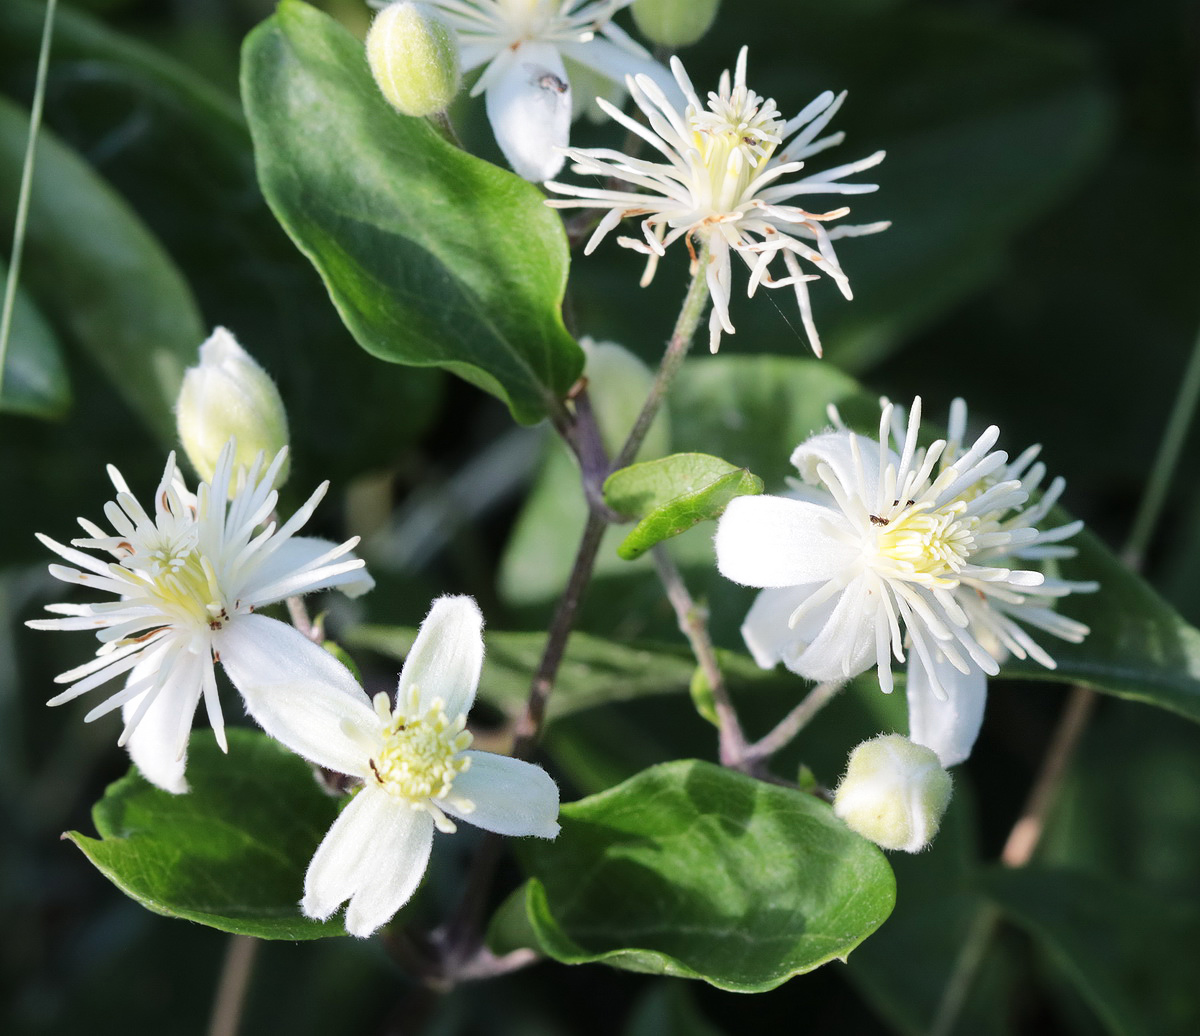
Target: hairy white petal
508, 796
447, 656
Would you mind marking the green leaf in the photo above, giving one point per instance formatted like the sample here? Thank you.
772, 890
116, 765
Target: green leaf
108, 282
232, 852
695, 871
35, 380
1139, 647
432, 257
672, 494
1131, 960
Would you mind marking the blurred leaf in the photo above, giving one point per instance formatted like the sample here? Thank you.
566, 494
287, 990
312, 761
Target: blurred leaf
1132, 960
35, 380
232, 852
672, 494
695, 871
667, 1009
432, 257
1139, 647
702, 697
108, 282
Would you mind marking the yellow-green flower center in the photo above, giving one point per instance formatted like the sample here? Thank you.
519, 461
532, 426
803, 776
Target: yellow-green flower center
180, 579
930, 547
421, 753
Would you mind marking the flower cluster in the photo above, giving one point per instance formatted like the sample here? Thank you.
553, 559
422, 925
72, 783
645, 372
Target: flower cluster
186, 578
722, 186
886, 550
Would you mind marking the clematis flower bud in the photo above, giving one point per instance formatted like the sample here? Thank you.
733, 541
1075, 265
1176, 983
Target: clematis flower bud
674, 23
414, 59
894, 793
229, 396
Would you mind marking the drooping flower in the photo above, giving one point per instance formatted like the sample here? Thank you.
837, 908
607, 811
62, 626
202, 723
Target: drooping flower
415, 764
187, 577
527, 91
721, 186
915, 554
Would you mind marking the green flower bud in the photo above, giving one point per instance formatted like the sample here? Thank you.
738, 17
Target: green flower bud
674, 23
894, 793
229, 394
414, 59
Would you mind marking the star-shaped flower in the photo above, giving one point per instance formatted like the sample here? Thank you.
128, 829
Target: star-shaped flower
721, 186
187, 577
880, 552
415, 765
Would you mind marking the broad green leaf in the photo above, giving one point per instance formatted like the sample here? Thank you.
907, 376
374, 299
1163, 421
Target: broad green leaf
695, 871
667, 1009
432, 257
1131, 960
35, 380
232, 852
672, 494
110, 285
1139, 647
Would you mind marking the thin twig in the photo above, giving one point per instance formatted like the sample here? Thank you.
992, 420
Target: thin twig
26, 188
795, 721
529, 726
694, 305
298, 613
693, 623
230, 999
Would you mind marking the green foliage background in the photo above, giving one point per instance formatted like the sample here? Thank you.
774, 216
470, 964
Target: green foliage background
1043, 182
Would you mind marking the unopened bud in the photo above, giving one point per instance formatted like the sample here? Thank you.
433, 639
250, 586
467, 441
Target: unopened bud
229, 395
414, 59
674, 23
894, 793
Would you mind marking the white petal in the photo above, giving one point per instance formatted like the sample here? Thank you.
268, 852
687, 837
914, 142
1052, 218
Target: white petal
615, 63
296, 553
447, 656
299, 693
529, 107
773, 541
842, 635
374, 855
837, 450
766, 632
510, 797
158, 744
949, 727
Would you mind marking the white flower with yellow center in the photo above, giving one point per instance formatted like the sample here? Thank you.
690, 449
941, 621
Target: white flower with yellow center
186, 579
527, 91
916, 555
721, 186
415, 765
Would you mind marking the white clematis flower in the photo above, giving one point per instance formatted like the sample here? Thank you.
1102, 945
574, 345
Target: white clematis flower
522, 44
187, 577
903, 553
721, 185
414, 762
